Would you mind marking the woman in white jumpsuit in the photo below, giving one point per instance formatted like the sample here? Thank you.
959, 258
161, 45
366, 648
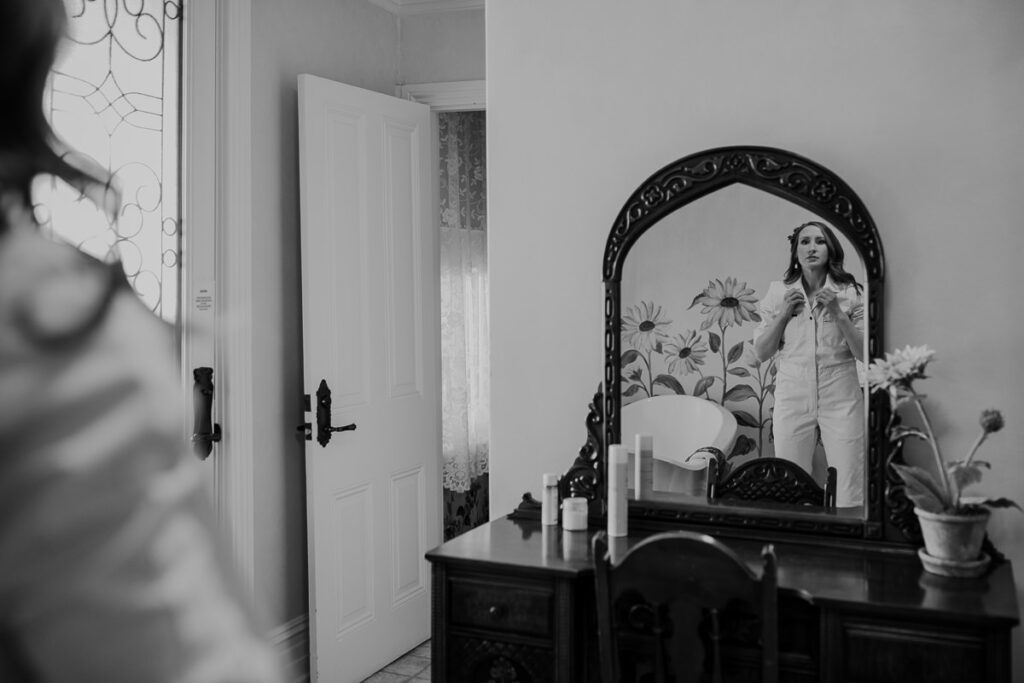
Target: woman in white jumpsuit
813, 319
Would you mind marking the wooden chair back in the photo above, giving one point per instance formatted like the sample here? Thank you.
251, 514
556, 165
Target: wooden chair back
777, 481
681, 606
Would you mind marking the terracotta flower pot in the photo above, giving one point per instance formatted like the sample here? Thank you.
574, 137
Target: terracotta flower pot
956, 538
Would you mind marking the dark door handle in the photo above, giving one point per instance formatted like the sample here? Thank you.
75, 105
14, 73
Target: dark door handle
204, 432
323, 415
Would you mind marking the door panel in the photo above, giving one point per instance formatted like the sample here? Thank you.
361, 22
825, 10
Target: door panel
370, 329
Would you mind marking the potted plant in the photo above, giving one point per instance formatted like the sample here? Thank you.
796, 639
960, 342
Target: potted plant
952, 524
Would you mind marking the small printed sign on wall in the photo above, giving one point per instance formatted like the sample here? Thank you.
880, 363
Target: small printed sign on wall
203, 299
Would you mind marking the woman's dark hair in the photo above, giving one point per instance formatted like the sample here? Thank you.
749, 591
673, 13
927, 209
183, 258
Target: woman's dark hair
30, 33
835, 257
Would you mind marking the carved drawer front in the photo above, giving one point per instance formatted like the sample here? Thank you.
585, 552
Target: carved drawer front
504, 605
882, 651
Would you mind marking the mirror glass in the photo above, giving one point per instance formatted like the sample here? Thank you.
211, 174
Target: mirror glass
691, 298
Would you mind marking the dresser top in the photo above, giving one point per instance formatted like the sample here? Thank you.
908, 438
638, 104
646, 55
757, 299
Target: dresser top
823, 575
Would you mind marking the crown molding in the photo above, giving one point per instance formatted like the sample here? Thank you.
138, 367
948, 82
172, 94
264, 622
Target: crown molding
408, 7
450, 96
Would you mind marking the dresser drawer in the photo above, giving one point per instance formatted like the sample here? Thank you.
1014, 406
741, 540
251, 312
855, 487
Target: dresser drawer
501, 604
893, 651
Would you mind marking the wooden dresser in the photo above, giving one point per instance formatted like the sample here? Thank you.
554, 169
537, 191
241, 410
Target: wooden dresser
513, 601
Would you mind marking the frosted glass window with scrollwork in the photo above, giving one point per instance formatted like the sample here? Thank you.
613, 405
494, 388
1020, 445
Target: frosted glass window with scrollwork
114, 96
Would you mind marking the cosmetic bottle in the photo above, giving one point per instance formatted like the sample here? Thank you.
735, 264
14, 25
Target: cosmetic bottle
618, 476
643, 467
549, 500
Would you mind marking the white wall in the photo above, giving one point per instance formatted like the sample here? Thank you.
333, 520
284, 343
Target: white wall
442, 46
346, 40
355, 42
916, 104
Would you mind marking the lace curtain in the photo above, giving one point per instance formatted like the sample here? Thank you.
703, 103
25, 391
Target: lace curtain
465, 345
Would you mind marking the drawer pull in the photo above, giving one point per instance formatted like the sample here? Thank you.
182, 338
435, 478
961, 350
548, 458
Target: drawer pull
497, 612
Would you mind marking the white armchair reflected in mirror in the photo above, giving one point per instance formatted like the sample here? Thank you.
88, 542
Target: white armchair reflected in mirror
681, 426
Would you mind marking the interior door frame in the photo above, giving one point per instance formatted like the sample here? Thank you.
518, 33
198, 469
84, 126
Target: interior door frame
217, 216
442, 97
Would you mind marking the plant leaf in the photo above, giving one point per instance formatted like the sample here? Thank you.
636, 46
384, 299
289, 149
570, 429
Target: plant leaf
964, 475
628, 357
740, 392
745, 419
696, 299
999, 503
922, 489
735, 352
670, 382
739, 372
899, 433
657, 347
714, 341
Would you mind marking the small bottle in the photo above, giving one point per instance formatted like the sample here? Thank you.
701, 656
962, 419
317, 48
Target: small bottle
618, 481
549, 500
643, 467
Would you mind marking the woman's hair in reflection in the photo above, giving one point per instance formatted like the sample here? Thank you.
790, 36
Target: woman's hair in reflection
30, 33
836, 255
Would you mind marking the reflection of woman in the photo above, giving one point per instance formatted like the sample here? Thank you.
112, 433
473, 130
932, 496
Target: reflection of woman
111, 567
813, 318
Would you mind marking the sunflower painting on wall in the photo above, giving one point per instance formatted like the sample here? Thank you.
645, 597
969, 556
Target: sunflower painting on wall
700, 362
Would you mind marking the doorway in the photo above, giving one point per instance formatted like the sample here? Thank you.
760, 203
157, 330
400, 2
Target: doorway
465, 340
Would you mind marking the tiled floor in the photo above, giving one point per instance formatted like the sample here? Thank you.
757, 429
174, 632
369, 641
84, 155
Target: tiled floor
412, 666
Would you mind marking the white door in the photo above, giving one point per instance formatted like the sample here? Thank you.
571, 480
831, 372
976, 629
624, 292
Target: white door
371, 330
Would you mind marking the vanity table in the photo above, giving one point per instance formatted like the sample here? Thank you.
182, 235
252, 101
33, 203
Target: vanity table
514, 600
515, 597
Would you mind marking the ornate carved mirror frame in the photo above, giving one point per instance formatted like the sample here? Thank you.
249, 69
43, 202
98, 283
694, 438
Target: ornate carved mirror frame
889, 520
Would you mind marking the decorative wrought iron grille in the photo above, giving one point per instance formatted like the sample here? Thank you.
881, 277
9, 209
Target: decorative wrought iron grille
114, 95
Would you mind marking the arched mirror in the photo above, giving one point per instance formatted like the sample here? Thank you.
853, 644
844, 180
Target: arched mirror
688, 267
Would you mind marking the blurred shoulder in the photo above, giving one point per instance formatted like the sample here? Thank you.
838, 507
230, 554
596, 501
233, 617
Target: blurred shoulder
51, 294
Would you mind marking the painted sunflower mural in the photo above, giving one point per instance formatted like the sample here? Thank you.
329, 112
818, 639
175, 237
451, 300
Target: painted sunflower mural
700, 361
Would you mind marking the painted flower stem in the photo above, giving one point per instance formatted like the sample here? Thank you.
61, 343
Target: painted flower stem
725, 364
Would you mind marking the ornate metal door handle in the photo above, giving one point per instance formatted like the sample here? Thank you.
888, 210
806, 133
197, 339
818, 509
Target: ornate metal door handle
204, 432
323, 415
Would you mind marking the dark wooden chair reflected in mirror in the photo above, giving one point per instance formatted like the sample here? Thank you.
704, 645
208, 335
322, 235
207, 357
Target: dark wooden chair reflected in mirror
775, 481
681, 606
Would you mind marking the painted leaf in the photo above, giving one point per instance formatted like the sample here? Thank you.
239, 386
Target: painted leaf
774, 370
657, 347
739, 372
628, 357
770, 389
735, 352
706, 324
740, 392
703, 385
714, 341
744, 444
670, 382
922, 489
632, 389
745, 419
696, 299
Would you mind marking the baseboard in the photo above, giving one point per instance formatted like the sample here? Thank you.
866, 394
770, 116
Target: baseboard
291, 640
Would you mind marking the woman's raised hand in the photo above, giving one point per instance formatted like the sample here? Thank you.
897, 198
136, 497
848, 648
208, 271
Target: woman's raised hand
794, 302
828, 300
